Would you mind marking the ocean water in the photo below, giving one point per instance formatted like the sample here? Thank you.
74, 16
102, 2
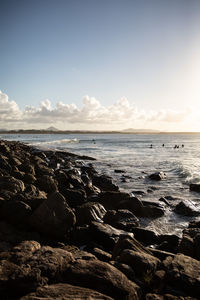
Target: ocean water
132, 154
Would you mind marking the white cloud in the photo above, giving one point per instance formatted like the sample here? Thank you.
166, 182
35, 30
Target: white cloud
118, 115
9, 110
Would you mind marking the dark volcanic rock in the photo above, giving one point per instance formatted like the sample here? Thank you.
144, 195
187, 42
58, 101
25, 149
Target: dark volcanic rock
157, 176
89, 212
104, 183
186, 209
106, 235
53, 217
195, 187
121, 219
11, 184
47, 183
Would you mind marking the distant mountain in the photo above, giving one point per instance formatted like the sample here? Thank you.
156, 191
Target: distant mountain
51, 128
140, 130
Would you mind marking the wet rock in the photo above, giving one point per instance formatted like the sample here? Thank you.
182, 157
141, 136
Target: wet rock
105, 278
121, 219
195, 187
121, 200
64, 291
29, 178
151, 211
104, 183
194, 224
89, 212
119, 171
157, 176
53, 217
127, 242
183, 274
160, 254
27, 168
186, 209
106, 235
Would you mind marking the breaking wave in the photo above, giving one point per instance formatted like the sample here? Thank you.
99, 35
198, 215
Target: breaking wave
57, 142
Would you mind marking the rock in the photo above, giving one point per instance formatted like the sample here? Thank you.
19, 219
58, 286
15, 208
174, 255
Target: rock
47, 183
4, 165
183, 274
127, 242
186, 209
104, 183
145, 236
160, 254
121, 219
89, 212
195, 187
194, 224
64, 291
75, 197
142, 263
101, 254
151, 211
157, 176
53, 217
27, 168
11, 184
105, 278
29, 178
168, 242
15, 212
16, 281
119, 171
121, 200
106, 235
186, 246
14, 236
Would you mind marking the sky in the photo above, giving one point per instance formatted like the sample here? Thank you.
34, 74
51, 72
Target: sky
100, 64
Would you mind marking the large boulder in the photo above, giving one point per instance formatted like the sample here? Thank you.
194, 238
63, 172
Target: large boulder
89, 212
106, 235
53, 217
142, 263
121, 200
64, 291
186, 209
103, 277
121, 219
104, 183
183, 274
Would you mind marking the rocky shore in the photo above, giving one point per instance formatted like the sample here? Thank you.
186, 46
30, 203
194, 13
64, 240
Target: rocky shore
68, 232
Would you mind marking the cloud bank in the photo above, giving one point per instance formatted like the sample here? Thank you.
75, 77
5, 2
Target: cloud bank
91, 115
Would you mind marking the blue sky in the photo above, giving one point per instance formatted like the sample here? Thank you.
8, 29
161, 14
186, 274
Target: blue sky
147, 51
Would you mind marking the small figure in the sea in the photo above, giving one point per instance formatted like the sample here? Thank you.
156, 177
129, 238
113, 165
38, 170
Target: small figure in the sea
182, 146
94, 142
151, 146
175, 146
163, 145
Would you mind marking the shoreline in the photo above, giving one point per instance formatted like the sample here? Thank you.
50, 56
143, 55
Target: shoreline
55, 207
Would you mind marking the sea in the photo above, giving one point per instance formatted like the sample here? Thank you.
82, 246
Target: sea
130, 158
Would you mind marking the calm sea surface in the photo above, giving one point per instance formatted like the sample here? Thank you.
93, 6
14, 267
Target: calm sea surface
132, 154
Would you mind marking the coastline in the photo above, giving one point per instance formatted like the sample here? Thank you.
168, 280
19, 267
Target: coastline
54, 204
